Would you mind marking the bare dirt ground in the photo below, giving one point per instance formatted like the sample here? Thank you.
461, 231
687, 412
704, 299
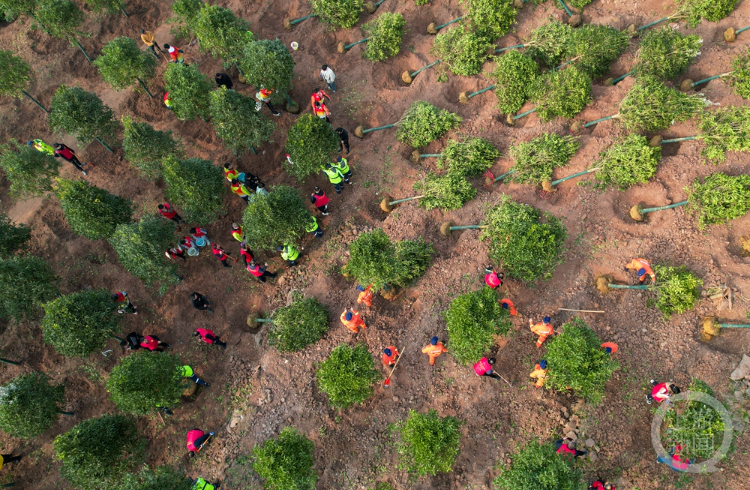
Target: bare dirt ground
257, 391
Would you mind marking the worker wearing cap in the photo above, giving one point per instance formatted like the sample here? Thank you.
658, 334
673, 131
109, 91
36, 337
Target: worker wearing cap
434, 349
390, 354
492, 278
508, 305
351, 320
334, 176
313, 227
148, 39
609, 347
543, 330
365, 295
643, 268
41, 146
289, 253
188, 372
236, 231
539, 373
342, 165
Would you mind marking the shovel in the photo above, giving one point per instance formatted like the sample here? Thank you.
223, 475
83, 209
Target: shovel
387, 381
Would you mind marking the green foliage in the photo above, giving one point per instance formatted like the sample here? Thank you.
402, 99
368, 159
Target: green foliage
594, 47
122, 63
91, 211
15, 75
651, 106
528, 242
60, 18
549, 43
579, 4
82, 114
108, 6
473, 321
711, 10
447, 192
676, 289
514, 76
538, 159
421, 2
723, 130
26, 283
665, 54
98, 452
298, 325
140, 249
561, 93
461, 50
719, 198
347, 376
13, 237
12, 9
146, 147
577, 362
286, 462
29, 405
221, 33
268, 63
145, 380
429, 443
29, 171
689, 420
538, 466
413, 258
384, 33
338, 13
628, 162
740, 77
236, 121
185, 17
162, 478
188, 90
78, 324
470, 157
309, 144
275, 219
423, 123
491, 19
196, 186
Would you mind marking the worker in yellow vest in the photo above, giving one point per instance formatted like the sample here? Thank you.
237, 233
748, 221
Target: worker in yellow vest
42, 146
289, 253
342, 165
313, 227
334, 176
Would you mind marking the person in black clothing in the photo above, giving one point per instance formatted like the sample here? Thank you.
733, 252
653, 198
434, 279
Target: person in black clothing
200, 302
132, 341
344, 139
251, 181
9, 458
68, 154
223, 80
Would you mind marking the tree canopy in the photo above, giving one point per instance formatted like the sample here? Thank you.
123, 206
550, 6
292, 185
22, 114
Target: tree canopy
145, 380
268, 63
514, 75
447, 192
221, 33
29, 171
338, 13
26, 284
384, 36
15, 76
13, 237
161, 478
189, 91
474, 319
347, 376
429, 443
82, 114
122, 63
298, 325
60, 18
423, 123
630, 161
461, 50
720, 198
91, 211
146, 147
286, 462
236, 121
185, 17
665, 54
310, 143
536, 160
140, 248
274, 219
196, 186
469, 157
539, 466
29, 405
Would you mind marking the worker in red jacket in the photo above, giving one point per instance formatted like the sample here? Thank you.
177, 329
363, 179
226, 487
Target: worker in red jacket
166, 210
200, 236
68, 154
484, 368
563, 447
196, 439
246, 254
260, 272
220, 254
126, 306
209, 337
152, 343
601, 485
320, 201
492, 278
662, 391
176, 253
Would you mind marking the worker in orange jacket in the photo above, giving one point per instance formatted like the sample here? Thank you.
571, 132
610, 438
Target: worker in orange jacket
543, 330
508, 305
540, 373
351, 320
365, 295
434, 349
390, 354
609, 347
643, 268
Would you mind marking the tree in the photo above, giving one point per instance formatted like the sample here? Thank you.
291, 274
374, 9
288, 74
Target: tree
514, 76
677, 290
236, 121
711, 10
491, 19
221, 33
61, 19
423, 123
298, 325
29, 405
268, 63
122, 64
91, 211
577, 362
347, 376
309, 144
277, 218
15, 77
537, 159
108, 6
692, 420
665, 53
146, 147
651, 106
628, 162
338, 13
447, 192
562, 93
78, 324
724, 130
413, 258
16, 8
188, 90
384, 36
186, 15
429, 443
143, 381
469, 157
162, 478
140, 249
98, 452
26, 283
195, 185
29, 171
549, 43
82, 114
594, 47
720, 198
539, 466
13, 237
286, 462
740, 74
461, 50
474, 319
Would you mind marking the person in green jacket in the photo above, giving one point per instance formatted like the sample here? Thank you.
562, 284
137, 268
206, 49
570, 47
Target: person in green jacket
342, 165
334, 176
42, 146
289, 253
313, 227
201, 484
187, 372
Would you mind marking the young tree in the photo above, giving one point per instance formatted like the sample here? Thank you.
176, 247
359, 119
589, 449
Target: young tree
423, 123
107, 6
469, 157
630, 161
26, 283
461, 50
413, 258
429, 443
665, 53
286, 462
347, 376
711, 10
82, 114
29, 405
13, 237
474, 319
594, 47
91, 211
537, 159
122, 64
189, 91
275, 219
539, 466
29, 171
562, 93
447, 192
98, 452
78, 324
692, 420
338, 13
514, 76
15, 77
221, 33
140, 249
549, 43
720, 198
236, 121
491, 19
146, 147
162, 478
196, 186
62, 19
677, 290
16, 8
651, 106
724, 130
738, 79
185, 17
384, 36
298, 325
309, 144
143, 381
268, 63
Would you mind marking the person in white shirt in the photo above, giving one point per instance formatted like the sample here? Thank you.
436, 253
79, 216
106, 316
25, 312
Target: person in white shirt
327, 74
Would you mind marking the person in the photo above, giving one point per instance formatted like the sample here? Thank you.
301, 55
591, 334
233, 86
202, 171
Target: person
601, 485
127, 307
201, 484
220, 254
508, 305
318, 96
196, 439
365, 295
313, 227
200, 302
643, 268
260, 272
175, 253
322, 111
251, 181
186, 242
539, 373
223, 80
320, 200
236, 232
334, 176
188, 372
434, 349
68, 154
609, 347
675, 462
246, 254
390, 354
132, 341
240, 189
351, 320
209, 337
230, 173
167, 101
175, 53
41, 146
148, 39
342, 165
152, 343
264, 97
543, 330
492, 278
200, 236
344, 137
563, 447
662, 391
484, 368
8, 458
327, 74
289, 253
166, 210
260, 189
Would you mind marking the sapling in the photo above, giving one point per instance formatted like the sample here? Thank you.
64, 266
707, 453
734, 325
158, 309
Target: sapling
434, 29
186, 15
720, 198
514, 75
30, 404
144, 381
423, 123
561, 93
711, 327
122, 64
447, 192
730, 35
267, 63
277, 218
461, 50
13, 237
429, 444
491, 19
711, 10
146, 147
196, 186
310, 143
26, 284
82, 114
676, 289
188, 90
537, 159
347, 376
108, 6
738, 78
15, 77
286, 462
62, 19
338, 13
383, 39
221, 33
289, 23
298, 325
538, 466
469, 157
592, 48
629, 161
140, 248
237, 122
91, 211
549, 43
29, 171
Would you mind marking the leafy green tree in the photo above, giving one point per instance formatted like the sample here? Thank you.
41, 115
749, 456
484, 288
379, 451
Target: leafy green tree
122, 64
162, 478
236, 121
275, 219
146, 147
16, 8
720, 198
413, 258
384, 36
723, 130
269, 64
447, 192
189, 91
98, 452
29, 405
221, 33
143, 381
13, 237
539, 466
15, 76
630, 161
740, 75
195, 185
711, 10
474, 319
286, 462
29, 171
26, 283
90, 210
338, 13
514, 76
577, 362
429, 443
651, 106
78, 324
665, 54
549, 43
461, 50
185, 17
691, 420
469, 157
562, 93
107, 6
594, 47
347, 376
491, 19
298, 325
82, 114
309, 144
423, 123
61, 19
677, 290
140, 249
537, 159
